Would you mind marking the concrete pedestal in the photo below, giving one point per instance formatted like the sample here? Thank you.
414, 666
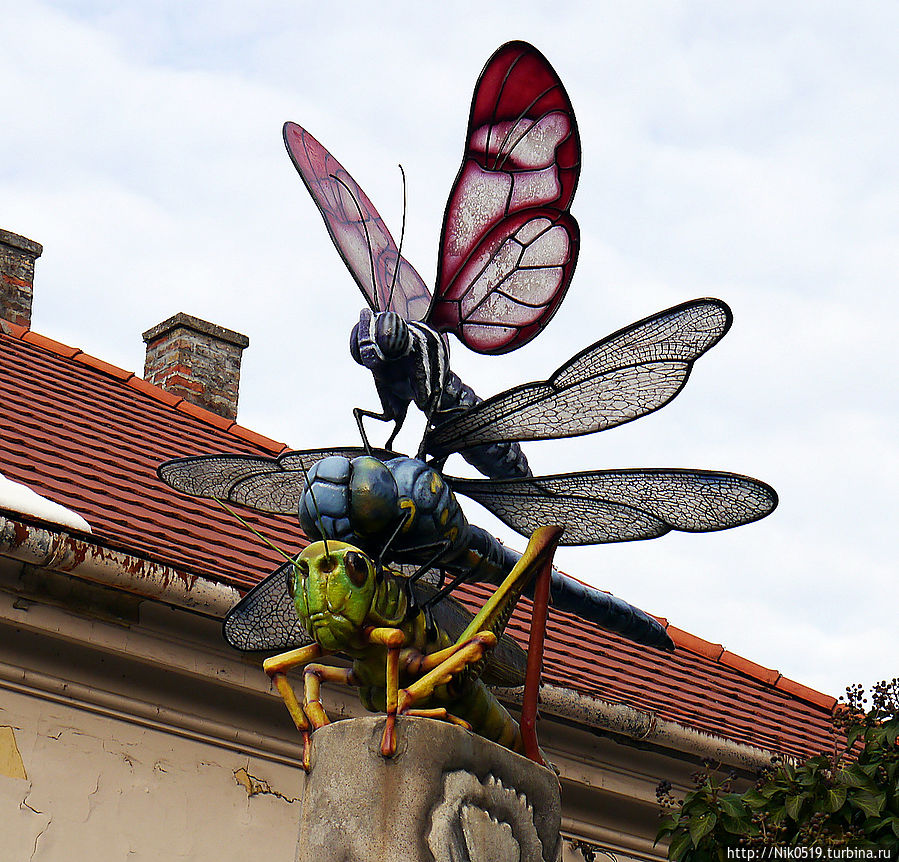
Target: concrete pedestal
446, 796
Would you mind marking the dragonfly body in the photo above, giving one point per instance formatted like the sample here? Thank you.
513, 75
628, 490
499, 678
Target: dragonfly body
408, 504
507, 252
506, 256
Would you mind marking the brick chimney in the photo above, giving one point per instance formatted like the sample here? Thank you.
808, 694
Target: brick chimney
17, 257
197, 361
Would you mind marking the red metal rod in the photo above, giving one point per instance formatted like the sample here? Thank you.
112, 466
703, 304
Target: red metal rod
535, 663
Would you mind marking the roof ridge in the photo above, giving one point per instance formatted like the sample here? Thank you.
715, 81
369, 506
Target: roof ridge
767, 676
139, 384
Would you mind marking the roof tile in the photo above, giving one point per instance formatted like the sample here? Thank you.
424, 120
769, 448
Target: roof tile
257, 439
750, 668
685, 640
205, 415
153, 391
790, 686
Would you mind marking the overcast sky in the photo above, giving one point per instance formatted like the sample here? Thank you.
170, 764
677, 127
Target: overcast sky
744, 151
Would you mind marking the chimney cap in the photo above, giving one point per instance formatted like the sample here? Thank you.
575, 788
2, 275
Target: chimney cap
188, 321
7, 237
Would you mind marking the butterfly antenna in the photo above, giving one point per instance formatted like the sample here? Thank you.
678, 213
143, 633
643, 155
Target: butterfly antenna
371, 253
253, 530
399, 253
318, 514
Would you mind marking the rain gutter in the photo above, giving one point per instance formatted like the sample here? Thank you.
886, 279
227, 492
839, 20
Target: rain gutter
84, 558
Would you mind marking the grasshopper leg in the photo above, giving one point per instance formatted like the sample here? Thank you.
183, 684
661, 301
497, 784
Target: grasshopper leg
313, 677
276, 667
451, 662
394, 640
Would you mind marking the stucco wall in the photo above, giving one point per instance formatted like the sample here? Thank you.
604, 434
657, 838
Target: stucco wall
99, 788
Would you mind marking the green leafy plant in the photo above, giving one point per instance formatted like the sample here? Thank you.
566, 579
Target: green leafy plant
848, 797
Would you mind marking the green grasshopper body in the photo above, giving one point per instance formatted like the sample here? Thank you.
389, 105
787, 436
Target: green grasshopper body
397, 663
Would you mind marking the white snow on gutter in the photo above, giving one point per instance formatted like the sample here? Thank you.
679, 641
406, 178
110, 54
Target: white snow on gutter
17, 497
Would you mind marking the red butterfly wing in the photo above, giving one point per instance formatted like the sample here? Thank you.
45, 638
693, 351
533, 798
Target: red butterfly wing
509, 246
359, 233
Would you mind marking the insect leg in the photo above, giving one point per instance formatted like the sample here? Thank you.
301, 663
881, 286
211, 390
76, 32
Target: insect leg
313, 676
276, 667
446, 588
393, 639
358, 412
409, 583
442, 666
441, 713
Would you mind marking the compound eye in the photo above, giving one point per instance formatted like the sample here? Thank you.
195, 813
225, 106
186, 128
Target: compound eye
356, 566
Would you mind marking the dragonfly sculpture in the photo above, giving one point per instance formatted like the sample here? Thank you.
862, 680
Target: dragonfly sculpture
507, 254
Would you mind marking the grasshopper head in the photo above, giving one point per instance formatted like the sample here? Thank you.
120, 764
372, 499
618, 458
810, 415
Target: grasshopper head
333, 593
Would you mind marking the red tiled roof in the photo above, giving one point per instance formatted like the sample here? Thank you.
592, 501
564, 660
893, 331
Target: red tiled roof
89, 435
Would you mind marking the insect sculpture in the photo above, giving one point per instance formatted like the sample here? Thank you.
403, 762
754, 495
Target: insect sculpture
507, 254
401, 664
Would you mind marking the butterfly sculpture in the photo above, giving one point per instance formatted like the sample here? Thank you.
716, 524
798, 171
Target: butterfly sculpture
507, 251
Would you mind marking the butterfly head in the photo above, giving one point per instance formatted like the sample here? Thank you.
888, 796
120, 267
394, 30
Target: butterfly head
379, 337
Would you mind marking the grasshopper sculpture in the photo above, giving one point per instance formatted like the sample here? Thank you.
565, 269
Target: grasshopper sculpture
400, 664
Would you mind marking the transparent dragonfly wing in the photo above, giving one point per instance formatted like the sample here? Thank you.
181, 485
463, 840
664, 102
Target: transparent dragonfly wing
604, 506
267, 484
626, 375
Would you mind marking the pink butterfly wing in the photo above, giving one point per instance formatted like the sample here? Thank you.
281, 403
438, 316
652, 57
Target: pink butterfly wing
509, 245
359, 233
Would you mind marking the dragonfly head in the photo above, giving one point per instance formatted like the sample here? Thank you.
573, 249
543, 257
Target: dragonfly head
379, 337
332, 591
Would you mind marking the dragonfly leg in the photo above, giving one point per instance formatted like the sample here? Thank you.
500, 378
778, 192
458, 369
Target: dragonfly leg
409, 584
358, 412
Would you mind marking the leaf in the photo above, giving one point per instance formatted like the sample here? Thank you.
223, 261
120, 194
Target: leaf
754, 799
853, 776
735, 825
836, 798
778, 815
853, 734
679, 846
731, 806
793, 806
869, 803
701, 826
667, 825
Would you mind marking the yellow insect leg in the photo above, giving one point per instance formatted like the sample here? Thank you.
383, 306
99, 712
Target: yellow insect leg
313, 676
460, 656
393, 639
276, 667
